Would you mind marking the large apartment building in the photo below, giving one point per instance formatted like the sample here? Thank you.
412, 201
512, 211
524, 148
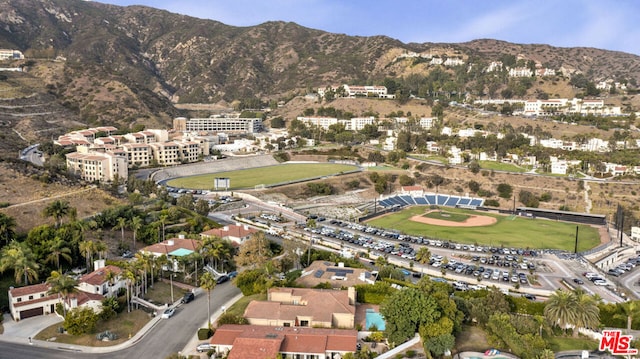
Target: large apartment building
227, 124
102, 158
8, 54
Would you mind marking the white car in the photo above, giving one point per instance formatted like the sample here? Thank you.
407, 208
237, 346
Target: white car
168, 313
205, 347
600, 282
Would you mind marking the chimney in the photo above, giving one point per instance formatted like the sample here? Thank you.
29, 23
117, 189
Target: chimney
74, 302
180, 236
340, 264
351, 293
98, 263
225, 228
170, 242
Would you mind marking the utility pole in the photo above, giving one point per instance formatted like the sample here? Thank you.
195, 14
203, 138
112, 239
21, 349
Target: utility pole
576, 248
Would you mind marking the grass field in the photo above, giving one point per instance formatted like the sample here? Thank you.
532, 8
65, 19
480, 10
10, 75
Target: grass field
508, 231
268, 175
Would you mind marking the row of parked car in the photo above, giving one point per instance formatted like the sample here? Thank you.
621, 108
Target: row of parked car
506, 275
622, 268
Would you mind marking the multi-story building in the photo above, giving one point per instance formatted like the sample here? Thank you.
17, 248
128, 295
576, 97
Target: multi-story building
228, 124
353, 91
520, 72
8, 54
138, 154
166, 153
323, 122
358, 123
97, 166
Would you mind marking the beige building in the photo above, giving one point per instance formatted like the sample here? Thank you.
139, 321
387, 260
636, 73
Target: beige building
234, 232
304, 307
138, 154
97, 166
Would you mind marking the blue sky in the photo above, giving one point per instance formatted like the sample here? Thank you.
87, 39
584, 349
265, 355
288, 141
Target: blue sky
609, 25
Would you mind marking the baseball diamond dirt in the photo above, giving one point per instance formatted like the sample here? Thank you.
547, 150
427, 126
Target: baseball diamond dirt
472, 221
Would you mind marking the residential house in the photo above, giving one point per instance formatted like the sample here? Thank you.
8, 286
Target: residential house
304, 307
337, 276
173, 248
31, 300
265, 342
97, 282
234, 232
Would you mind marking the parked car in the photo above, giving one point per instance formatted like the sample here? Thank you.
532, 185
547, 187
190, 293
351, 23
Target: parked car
188, 297
578, 281
168, 313
529, 296
222, 279
600, 282
205, 347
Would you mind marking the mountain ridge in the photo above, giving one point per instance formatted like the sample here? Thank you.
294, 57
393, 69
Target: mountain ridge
152, 59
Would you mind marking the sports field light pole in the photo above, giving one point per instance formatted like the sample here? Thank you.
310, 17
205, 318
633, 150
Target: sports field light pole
576, 248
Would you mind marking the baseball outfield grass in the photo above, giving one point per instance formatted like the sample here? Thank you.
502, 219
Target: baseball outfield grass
509, 231
268, 175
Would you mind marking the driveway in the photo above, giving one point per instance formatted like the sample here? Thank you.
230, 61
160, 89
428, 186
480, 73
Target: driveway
28, 327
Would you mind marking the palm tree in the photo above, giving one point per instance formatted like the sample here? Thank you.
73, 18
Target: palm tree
208, 283
7, 227
630, 310
62, 285
136, 224
110, 277
423, 256
129, 275
561, 309
87, 248
57, 209
142, 260
58, 248
101, 248
19, 257
121, 225
163, 221
588, 313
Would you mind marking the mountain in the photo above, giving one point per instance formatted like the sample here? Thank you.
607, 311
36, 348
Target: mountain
128, 65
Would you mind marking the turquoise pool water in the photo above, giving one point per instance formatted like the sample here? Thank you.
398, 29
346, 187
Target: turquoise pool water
373, 318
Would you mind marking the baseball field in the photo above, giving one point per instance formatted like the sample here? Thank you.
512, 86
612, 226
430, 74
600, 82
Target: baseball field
268, 175
483, 228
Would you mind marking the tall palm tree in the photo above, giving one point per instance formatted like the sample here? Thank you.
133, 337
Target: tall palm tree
19, 257
630, 310
142, 260
58, 248
121, 225
87, 248
62, 285
136, 224
163, 221
588, 313
129, 275
7, 227
110, 276
101, 248
561, 309
208, 283
57, 209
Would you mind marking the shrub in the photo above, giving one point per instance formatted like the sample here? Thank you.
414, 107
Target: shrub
204, 333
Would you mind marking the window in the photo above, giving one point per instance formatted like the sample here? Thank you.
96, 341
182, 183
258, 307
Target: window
19, 300
304, 323
30, 297
285, 324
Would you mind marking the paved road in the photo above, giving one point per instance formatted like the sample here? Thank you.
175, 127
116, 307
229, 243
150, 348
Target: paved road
167, 337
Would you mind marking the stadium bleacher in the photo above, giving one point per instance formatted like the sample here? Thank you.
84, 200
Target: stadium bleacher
431, 199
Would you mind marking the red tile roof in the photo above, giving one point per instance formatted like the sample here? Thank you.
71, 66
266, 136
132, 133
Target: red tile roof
232, 230
29, 289
258, 342
99, 276
84, 297
169, 245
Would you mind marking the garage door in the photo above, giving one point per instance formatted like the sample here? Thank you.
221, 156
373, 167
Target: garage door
31, 313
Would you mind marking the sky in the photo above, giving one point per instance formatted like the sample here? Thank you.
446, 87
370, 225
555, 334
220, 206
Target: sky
609, 25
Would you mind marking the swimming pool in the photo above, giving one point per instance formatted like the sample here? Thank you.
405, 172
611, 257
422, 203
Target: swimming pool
372, 318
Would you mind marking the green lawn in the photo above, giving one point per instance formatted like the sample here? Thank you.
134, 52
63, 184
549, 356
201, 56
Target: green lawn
508, 231
239, 307
268, 175
499, 166
569, 343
